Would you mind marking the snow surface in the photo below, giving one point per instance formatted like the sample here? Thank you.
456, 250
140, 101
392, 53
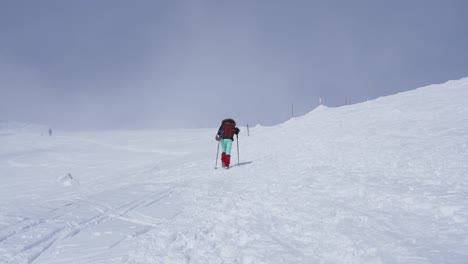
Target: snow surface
383, 181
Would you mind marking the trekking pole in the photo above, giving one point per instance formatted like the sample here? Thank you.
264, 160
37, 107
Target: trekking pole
217, 153
237, 137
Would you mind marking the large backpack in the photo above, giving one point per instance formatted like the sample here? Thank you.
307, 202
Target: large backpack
228, 130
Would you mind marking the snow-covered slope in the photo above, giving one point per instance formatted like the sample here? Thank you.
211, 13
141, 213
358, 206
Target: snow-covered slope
379, 182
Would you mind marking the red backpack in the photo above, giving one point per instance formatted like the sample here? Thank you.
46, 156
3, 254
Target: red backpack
228, 130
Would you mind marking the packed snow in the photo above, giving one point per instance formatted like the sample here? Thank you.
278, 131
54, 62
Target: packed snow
384, 181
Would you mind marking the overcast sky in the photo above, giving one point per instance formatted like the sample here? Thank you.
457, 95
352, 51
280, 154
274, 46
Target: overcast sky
107, 64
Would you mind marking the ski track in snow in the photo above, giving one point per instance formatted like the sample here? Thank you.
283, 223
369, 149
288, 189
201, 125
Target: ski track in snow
60, 224
378, 182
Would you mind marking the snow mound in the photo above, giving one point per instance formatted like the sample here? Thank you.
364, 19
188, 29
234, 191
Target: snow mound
68, 180
383, 181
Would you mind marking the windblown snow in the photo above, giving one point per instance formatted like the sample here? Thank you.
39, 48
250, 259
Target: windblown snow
385, 181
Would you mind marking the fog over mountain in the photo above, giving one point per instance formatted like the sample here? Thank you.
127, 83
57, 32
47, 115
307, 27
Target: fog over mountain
165, 64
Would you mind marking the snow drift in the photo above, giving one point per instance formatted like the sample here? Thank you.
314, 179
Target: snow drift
383, 181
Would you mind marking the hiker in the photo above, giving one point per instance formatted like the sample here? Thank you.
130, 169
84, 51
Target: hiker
226, 135
50, 132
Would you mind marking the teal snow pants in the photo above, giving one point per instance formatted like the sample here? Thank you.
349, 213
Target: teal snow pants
227, 145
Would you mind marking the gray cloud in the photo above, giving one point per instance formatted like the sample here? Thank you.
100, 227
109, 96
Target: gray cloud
116, 64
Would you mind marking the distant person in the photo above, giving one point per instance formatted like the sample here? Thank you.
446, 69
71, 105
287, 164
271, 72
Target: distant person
50, 132
225, 134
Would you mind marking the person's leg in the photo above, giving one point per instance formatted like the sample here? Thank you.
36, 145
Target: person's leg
227, 159
223, 155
